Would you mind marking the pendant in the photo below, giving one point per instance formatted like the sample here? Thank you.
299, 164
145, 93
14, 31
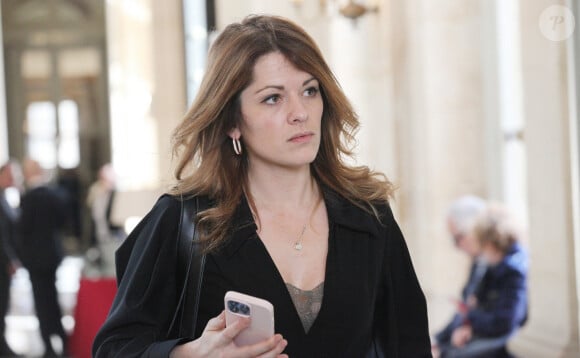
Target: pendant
298, 246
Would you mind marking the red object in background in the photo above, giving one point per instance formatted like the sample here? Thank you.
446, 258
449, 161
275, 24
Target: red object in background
94, 300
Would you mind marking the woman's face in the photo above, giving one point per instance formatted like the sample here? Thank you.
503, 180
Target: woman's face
281, 115
491, 254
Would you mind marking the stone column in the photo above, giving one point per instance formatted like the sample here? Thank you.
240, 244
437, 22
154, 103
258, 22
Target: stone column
131, 85
3, 119
359, 52
441, 130
146, 86
552, 329
169, 94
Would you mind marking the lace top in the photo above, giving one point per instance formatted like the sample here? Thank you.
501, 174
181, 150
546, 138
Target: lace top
307, 303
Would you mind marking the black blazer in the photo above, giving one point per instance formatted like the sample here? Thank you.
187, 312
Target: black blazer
42, 219
370, 290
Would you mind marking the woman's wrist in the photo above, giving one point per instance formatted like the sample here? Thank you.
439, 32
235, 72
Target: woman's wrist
185, 349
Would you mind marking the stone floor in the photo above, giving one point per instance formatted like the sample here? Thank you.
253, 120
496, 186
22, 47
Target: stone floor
22, 331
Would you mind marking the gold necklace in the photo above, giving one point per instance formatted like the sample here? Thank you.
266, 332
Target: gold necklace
298, 243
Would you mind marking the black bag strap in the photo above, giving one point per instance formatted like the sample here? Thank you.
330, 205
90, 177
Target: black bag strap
191, 262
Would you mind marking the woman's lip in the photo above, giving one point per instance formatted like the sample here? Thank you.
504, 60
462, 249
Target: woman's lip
301, 137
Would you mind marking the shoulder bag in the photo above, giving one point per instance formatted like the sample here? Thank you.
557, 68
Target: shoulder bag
191, 262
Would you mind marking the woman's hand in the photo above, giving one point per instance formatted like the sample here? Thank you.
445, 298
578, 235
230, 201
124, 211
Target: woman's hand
461, 335
471, 301
217, 341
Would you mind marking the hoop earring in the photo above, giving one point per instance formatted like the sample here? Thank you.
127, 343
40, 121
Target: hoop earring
237, 146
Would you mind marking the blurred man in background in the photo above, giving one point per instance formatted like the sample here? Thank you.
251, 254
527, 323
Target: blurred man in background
9, 179
461, 218
43, 215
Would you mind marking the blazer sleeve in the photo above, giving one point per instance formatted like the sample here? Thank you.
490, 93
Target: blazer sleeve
407, 331
148, 290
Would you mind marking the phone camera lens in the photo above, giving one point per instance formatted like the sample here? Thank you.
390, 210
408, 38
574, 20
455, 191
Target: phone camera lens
233, 306
238, 307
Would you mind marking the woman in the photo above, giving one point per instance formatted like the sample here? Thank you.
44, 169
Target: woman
290, 223
499, 306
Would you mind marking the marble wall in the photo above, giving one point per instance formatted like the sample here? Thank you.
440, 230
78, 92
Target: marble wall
552, 330
440, 112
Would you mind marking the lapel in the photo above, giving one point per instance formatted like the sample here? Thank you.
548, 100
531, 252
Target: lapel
343, 213
245, 261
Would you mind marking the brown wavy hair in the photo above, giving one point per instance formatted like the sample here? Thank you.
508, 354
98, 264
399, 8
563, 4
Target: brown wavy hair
207, 164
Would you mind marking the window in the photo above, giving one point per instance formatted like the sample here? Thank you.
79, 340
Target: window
68, 127
511, 111
48, 143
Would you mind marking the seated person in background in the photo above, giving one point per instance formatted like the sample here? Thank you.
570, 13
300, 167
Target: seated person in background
461, 217
498, 308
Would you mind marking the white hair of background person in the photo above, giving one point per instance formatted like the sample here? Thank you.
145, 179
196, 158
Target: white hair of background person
464, 211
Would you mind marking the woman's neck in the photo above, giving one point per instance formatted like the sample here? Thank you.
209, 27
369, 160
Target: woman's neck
283, 189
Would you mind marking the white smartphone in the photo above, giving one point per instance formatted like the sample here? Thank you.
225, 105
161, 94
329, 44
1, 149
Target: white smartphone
261, 313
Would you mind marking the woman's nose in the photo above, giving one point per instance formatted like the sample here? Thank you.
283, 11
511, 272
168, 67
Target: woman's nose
298, 112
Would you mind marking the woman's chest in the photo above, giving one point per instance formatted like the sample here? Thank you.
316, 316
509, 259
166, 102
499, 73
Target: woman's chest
298, 248
352, 282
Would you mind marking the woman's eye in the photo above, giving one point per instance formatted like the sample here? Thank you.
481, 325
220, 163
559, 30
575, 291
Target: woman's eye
311, 91
271, 99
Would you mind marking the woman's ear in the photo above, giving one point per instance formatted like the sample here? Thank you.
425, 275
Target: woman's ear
235, 133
